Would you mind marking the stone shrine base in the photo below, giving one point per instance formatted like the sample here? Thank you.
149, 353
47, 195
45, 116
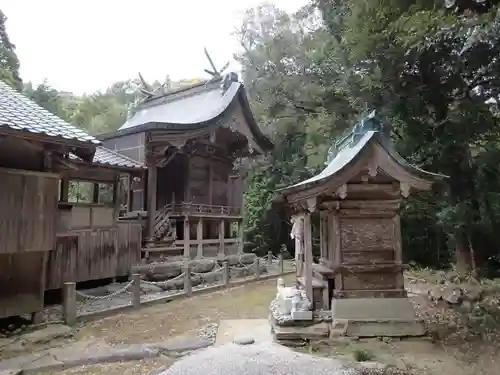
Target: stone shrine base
354, 317
374, 317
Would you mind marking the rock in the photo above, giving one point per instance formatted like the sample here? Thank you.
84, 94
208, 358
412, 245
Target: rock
211, 277
11, 372
178, 284
472, 292
47, 334
238, 259
202, 265
160, 271
244, 340
452, 294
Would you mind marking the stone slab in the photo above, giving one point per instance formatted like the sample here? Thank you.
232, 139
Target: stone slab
377, 328
371, 317
258, 329
47, 334
316, 331
182, 345
302, 315
93, 352
373, 309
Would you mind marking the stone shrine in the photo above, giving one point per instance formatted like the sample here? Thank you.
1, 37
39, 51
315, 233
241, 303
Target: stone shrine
358, 282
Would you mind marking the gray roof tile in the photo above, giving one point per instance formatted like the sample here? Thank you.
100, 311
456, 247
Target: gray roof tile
106, 156
21, 113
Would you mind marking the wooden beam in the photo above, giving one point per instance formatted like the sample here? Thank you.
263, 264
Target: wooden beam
308, 256
241, 229
199, 237
398, 251
151, 201
186, 239
221, 237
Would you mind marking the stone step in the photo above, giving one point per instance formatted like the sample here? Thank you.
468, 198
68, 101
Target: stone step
316, 331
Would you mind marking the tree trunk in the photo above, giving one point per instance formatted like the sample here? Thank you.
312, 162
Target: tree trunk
463, 255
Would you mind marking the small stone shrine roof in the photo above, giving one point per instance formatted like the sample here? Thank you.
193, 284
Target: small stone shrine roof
348, 149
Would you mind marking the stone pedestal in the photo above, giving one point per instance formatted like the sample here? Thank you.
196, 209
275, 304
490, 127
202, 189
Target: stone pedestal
374, 317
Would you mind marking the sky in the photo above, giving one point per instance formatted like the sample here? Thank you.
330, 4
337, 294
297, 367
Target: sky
84, 46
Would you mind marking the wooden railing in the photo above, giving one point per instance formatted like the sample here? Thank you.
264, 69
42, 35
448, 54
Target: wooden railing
205, 209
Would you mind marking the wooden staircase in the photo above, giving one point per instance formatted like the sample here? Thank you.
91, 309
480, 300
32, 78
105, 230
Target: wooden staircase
164, 230
164, 235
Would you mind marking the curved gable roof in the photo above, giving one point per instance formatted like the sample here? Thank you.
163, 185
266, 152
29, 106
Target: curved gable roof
191, 108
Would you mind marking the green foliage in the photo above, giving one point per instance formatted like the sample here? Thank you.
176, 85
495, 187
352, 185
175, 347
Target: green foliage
362, 355
9, 63
431, 71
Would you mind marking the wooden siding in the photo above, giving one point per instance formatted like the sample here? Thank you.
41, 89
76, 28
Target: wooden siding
28, 202
21, 282
94, 254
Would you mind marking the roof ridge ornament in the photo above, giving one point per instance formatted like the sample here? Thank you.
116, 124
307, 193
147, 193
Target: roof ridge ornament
367, 123
227, 78
215, 73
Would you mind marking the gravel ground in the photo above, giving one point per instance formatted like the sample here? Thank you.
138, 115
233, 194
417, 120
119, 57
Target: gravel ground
94, 304
256, 359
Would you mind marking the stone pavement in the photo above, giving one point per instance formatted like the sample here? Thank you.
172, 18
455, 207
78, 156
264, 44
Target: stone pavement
93, 352
262, 358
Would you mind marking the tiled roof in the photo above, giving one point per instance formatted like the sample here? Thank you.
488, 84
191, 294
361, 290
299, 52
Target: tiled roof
21, 113
106, 156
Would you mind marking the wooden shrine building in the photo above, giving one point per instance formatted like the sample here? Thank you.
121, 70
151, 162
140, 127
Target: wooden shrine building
60, 197
195, 142
358, 197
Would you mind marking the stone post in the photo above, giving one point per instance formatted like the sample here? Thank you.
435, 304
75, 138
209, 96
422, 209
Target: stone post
225, 273
281, 269
188, 288
136, 290
69, 303
269, 258
257, 269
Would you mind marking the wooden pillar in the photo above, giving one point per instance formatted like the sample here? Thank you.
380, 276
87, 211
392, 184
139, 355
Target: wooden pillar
199, 237
210, 182
336, 249
308, 256
222, 228
398, 253
116, 196
186, 238
240, 236
323, 234
151, 199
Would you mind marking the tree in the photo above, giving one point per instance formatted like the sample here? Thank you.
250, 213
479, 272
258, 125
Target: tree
9, 63
435, 76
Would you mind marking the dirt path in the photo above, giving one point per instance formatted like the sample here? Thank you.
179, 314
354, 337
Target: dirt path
186, 317
183, 317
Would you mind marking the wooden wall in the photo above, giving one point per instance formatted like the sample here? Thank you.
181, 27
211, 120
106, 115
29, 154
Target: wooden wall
94, 254
208, 181
28, 211
21, 282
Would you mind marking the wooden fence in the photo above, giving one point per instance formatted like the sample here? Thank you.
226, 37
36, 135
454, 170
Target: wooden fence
70, 294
